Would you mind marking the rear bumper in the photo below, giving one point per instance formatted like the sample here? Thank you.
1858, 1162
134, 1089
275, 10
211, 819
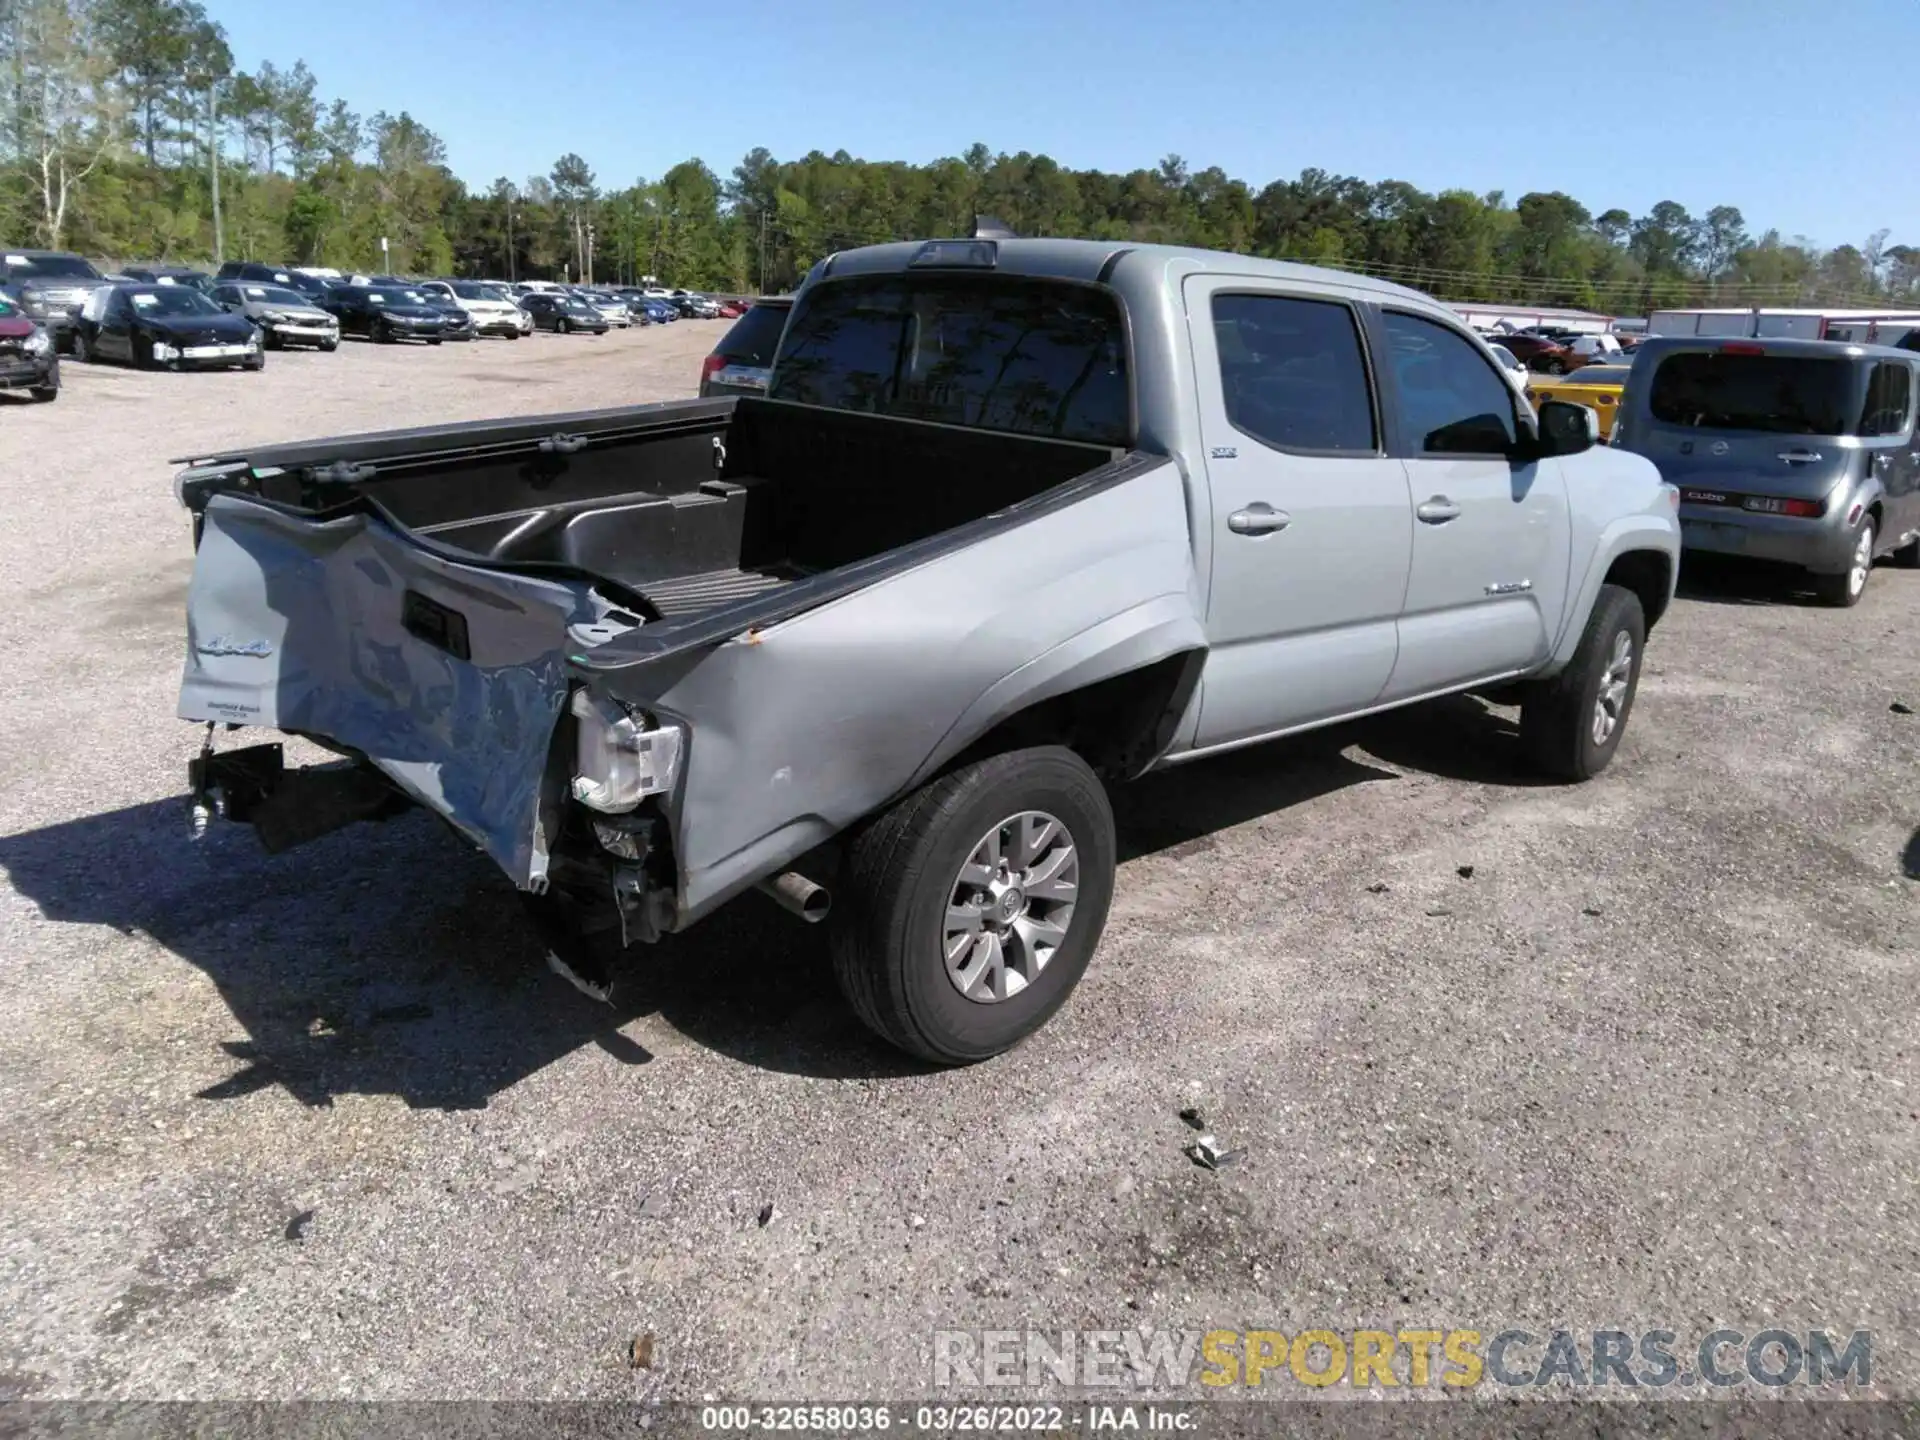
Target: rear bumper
1821, 545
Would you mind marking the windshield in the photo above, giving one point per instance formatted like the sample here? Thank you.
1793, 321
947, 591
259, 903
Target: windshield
475, 292
274, 295
574, 302
26, 267
1038, 357
393, 297
171, 300
1780, 394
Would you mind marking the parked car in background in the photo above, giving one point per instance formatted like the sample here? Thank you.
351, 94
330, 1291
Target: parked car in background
733, 309
157, 273
742, 361
564, 314
1598, 387
1537, 352
173, 326
661, 312
1516, 373
283, 275
611, 308
384, 314
1593, 349
697, 307
28, 359
491, 311
283, 316
1797, 451
456, 324
50, 286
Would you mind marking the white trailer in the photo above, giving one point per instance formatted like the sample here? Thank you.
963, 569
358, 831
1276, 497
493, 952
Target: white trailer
1877, 327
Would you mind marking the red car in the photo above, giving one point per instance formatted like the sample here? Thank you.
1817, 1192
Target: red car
732, 309
27, 355
1537, 352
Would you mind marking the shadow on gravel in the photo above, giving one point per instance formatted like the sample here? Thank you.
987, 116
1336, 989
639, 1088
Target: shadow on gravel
1729, 580
393, 960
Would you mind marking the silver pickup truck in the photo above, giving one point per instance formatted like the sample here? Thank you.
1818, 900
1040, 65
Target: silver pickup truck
1016, 519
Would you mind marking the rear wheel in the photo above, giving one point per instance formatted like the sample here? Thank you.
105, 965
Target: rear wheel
970, 910
1846, 588
1571, 725
1556, 367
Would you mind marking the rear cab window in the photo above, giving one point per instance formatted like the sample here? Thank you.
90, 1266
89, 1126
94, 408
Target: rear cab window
755, 336
1738, 390
1031, 356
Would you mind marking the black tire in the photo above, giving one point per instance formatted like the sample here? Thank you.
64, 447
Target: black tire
329, 345
1837, 590
44, 394
899, 877
382, 333
82, 351
563, 326
1556, 367
268, 339
434, 339
1907, 557
1557, 717
255, 361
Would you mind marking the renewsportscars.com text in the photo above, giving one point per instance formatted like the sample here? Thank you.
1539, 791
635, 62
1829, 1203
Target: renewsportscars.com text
1220, 1360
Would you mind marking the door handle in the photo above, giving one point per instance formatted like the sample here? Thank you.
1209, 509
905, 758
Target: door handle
1258, 518
1798, 457
1437, 511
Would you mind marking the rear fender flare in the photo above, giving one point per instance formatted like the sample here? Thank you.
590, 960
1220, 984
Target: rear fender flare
1155, 630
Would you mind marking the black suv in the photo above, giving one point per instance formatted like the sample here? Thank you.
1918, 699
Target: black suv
742, 361
311, 286
50, 286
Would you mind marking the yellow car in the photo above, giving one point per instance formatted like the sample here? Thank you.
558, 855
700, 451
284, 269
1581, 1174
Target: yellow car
1597, 387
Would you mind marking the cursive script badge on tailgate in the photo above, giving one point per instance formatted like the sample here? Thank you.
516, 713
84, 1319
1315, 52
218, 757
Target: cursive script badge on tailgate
227, 645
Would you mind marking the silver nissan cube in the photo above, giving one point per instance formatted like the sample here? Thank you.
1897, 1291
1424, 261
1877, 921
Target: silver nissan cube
1798, 451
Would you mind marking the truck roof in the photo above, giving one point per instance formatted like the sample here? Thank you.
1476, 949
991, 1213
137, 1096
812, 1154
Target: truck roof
1094, 260
1774, 345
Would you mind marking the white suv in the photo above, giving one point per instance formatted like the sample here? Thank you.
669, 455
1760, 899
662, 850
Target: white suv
492, 315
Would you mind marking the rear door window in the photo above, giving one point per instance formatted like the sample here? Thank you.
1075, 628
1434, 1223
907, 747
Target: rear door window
1889, 403
1035, 357
1778, 394
1293, 374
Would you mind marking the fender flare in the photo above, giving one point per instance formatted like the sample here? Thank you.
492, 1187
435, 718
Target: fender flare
1155, 630
1644, 531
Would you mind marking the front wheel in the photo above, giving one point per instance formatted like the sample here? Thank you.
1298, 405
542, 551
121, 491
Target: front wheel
1846, 588
969, 911
82, 351
329, 345
563, 326
1556, 367
255, 361
382, 334
1571, 725
43, 394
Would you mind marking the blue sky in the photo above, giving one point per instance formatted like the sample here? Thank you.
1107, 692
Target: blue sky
1788, 109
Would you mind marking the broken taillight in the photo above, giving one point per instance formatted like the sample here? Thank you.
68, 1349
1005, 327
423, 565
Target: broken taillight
620, 759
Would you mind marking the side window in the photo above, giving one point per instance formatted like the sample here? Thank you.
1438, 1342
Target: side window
1452, 402
1889, 403
1293, 374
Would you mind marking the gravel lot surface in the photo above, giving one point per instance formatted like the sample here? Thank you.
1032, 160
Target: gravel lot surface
322, 1125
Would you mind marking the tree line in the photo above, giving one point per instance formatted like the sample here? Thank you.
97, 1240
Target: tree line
128, 132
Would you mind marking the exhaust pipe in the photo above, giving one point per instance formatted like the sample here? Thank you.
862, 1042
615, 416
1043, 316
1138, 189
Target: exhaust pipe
796, 894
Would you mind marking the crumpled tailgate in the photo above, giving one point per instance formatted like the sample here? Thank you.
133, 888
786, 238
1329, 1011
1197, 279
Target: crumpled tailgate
448, 677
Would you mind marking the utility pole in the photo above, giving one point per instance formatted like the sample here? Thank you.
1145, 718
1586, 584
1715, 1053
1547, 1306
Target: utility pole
213, 168
589, 254
510, 241
763, 249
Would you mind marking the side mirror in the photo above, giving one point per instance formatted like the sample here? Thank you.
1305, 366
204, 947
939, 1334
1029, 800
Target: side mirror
1567, 429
